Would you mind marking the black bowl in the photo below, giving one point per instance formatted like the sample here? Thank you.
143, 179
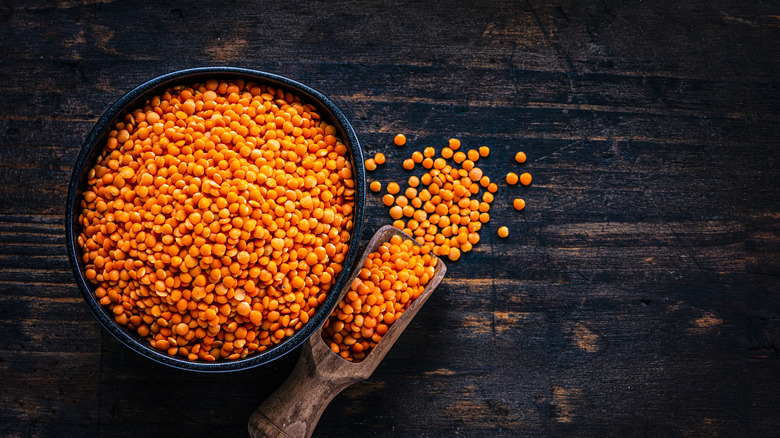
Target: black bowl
94, 145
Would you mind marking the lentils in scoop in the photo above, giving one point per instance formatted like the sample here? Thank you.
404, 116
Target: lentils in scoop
390, 280
217, 218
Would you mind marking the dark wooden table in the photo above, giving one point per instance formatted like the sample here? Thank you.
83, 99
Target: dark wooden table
636, 295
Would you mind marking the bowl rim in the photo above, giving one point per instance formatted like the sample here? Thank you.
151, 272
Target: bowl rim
95, 141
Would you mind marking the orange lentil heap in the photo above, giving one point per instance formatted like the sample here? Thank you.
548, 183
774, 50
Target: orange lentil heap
390, 280
217, 218
442, 208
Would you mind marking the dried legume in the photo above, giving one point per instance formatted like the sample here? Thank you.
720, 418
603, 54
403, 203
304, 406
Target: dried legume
390, 280
217, 218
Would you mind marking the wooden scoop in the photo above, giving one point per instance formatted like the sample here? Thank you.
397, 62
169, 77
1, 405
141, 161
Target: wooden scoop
294, 409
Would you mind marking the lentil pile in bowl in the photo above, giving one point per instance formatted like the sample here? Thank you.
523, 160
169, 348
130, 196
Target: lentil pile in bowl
217, 218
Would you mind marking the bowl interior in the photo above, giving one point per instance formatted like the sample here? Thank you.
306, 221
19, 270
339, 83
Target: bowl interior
97, 139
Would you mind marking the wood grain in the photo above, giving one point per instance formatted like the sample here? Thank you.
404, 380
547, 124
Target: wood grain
637, 293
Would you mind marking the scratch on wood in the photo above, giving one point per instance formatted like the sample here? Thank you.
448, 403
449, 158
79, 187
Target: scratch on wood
760, 21
738, 20
61, 5
47, 118
568, 66
598, 137
477, 325
508, 320
45, 300
440, 372
517, 31
585, 339
706, 427
580, 141
72, 4
76, 39
227, 50
706, 323
104, 35
485, 412
709, 424
365, 388
775, 18
562, 404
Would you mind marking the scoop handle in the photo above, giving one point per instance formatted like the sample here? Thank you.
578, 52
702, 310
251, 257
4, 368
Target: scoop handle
294, 409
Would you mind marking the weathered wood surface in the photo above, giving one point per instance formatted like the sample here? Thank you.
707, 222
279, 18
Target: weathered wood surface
637, 294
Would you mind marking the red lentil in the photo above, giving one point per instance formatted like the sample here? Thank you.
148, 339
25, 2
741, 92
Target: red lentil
217, 218
390, 280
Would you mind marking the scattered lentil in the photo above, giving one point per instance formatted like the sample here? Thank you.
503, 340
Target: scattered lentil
396, 212
438, 208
